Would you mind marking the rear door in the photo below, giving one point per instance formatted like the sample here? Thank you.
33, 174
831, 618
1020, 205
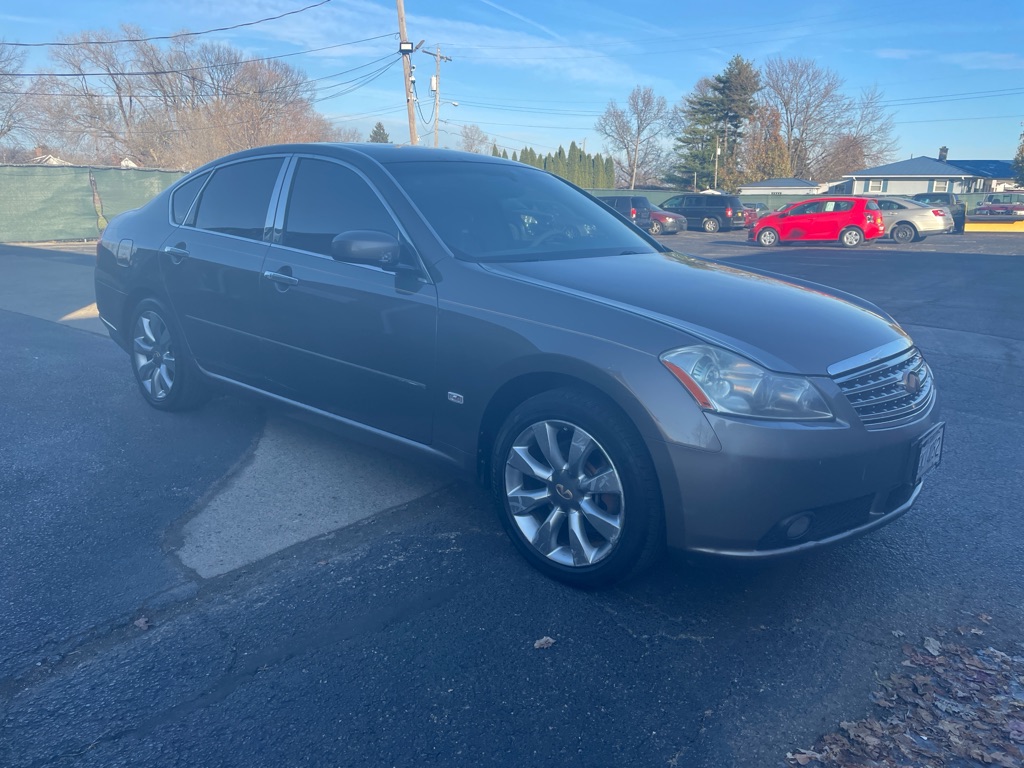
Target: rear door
211, 266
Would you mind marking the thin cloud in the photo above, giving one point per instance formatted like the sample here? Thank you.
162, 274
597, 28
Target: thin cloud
520, 17
985, 60
900, 53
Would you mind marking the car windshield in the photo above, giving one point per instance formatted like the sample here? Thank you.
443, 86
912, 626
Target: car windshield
501, 212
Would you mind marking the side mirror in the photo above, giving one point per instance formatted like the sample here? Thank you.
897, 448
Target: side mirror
366, 246
781, 214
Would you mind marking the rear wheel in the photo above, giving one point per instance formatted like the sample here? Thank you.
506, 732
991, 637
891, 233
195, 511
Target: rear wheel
711, 225
576, 490
904, 233
851, 238
167, 377
767, 237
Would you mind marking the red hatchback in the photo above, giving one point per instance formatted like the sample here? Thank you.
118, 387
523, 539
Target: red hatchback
847, 220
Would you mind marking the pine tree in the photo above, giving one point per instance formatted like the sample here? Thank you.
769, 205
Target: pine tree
494, 151
378, 135
1018, 162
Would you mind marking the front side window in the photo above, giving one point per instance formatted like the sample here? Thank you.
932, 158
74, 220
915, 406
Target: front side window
805, 208
327, 199
236, 200
486, 211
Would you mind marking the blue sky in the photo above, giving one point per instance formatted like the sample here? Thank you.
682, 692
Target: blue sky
539, 73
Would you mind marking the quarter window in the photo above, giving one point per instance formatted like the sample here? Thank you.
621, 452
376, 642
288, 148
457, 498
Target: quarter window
183, 197
327, 199
236, 200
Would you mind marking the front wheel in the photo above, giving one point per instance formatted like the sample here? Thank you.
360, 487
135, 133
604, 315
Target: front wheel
655, 228
576, 490
711, 225
851, 238
767, 237
167, 377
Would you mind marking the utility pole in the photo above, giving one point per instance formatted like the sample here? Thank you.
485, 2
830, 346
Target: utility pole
435, 86
718, 151
406, 48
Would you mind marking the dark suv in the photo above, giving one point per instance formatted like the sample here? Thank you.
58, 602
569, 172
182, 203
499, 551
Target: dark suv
709, 212
636, 208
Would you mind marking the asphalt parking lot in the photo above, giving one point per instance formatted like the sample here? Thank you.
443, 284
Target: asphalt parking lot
232, 587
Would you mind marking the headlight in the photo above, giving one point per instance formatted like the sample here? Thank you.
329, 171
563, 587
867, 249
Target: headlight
724, 382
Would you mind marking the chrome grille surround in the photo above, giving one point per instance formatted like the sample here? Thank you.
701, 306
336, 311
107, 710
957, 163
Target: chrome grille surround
883, 393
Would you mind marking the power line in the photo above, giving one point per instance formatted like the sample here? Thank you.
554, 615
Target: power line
186, 70
168, 37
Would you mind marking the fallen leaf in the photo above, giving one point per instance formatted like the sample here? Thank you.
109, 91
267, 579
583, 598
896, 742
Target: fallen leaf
544, 642
985, 617
897, 633
142, 623
933, 646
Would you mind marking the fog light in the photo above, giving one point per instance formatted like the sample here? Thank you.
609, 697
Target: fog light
798, 526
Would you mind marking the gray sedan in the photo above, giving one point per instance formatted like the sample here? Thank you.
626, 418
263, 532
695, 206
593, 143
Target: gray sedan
615, 396
909, 221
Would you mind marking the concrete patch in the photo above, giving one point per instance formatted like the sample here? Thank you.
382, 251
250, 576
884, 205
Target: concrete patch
301, 483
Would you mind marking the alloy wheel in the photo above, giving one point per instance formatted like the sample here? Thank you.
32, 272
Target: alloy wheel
153, 354
564, 493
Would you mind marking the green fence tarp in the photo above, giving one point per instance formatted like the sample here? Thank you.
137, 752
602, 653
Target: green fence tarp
123, 189
46, 203
53, 202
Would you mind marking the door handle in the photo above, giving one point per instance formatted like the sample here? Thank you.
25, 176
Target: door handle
177, 254
279, 277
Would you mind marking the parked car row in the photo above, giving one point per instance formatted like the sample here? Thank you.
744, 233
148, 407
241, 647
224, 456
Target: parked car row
849, 220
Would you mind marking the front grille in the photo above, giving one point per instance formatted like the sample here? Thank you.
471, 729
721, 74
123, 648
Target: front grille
884, 395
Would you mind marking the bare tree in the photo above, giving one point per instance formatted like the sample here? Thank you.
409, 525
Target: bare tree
11, 95
473, 139
174, 106
825, 132
633, 134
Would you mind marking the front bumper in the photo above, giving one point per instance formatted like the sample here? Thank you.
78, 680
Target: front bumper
775, 488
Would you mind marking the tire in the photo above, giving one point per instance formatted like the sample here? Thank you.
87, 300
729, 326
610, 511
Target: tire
711, 225
167, 377
851, 237
655, 228
767, 237
919, 238
904, 233
576, 490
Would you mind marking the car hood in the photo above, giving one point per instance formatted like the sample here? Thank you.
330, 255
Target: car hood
786, 325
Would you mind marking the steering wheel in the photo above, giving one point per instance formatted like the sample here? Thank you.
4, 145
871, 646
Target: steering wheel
565, 234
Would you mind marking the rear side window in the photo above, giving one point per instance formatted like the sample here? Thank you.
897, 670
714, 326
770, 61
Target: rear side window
327, 199
183, 197
694, 201
838, 206
236, 200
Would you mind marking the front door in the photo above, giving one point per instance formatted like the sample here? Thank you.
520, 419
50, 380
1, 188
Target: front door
350, 339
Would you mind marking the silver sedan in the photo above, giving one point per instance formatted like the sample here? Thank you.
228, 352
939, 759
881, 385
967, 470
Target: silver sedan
908, 221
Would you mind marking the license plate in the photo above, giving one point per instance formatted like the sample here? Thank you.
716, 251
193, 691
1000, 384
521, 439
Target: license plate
929, 452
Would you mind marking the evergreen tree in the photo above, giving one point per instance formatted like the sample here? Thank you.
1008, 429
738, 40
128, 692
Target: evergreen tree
378, 135
714, 118
494, 151
1018, 162
504, 154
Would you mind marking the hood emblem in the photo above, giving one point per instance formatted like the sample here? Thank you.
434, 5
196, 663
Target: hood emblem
912, 382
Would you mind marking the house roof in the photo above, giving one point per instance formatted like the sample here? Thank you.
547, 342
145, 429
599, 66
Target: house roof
798, 183
993, 169
930, 168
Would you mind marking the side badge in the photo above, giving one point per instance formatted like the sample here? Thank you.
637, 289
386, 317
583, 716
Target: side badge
455, 397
